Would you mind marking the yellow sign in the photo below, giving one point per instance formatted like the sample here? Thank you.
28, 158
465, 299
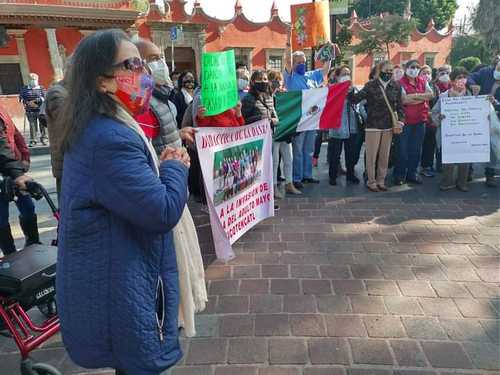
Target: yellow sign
339, 7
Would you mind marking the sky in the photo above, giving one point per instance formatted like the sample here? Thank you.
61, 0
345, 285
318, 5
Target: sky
224, 9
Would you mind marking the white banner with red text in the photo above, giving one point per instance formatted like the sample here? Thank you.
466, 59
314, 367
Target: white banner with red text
238, 177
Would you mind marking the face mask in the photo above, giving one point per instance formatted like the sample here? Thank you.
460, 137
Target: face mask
496, 75
344, 79
300, 69
445, 78
160, 73
398, 74
386, 77
426, 76
242, 84
412, 72
33, 82
261, 86
459, 84
134, 90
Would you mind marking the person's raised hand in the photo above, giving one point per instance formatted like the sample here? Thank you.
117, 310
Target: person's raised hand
188, 134
201, 111
238, 109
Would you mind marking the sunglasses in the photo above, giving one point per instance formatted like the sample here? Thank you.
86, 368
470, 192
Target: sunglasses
134, 64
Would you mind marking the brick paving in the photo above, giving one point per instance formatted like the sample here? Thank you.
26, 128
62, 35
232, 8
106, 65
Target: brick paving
343, 282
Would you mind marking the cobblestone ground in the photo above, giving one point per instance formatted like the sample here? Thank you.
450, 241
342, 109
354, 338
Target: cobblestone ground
343, 281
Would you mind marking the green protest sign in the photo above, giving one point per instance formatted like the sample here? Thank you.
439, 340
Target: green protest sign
219, 90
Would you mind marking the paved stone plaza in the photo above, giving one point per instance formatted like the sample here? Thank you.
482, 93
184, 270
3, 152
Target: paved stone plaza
343, 281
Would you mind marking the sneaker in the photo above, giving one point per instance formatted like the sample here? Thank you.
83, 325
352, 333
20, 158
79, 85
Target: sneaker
310, 181
427, 172
446, 187
463, 188
277, 193
298, 185
382, 187
291, 189
399, 181
352, 178
490, 182
276, 207
373, 189
333, 182
315, 162
415, 180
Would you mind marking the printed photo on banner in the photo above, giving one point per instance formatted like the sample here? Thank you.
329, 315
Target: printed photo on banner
238, 177
236, 169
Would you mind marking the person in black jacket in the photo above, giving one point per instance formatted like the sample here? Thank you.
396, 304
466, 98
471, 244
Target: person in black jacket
184, 95
11, 166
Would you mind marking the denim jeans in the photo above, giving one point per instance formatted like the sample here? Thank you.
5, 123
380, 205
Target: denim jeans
317, 143
303, 147
429, 147
24, 204
409, 145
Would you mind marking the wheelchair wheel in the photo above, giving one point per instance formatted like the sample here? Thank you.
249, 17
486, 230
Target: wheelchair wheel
30, 368
49, 308
44, 369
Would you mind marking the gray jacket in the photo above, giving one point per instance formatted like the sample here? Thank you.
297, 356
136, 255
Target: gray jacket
165, 112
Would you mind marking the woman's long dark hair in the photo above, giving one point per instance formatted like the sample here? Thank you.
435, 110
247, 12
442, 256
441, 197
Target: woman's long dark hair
94, 57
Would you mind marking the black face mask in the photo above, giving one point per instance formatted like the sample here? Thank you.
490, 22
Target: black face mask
386, 77
261, 86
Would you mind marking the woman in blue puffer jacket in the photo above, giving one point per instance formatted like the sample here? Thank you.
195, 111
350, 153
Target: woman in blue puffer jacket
117, 282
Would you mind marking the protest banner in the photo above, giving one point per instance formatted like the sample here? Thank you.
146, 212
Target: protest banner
310, 24
465, 133
219, 90
238, 177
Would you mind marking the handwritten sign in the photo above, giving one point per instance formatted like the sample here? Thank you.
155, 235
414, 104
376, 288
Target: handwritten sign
219, 90
465, 133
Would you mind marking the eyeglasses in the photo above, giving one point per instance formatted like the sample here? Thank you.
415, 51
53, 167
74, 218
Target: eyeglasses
133, 64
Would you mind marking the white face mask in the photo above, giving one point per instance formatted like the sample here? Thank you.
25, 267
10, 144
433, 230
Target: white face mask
496, 75
33, 82
160, 72
445, 78
412, 72
344, 79
242, 84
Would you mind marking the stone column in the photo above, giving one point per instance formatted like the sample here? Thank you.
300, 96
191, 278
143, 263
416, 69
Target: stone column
199, 48
55, 58
23, 57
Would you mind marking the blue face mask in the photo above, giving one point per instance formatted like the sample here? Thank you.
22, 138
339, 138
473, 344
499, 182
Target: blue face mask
300, 69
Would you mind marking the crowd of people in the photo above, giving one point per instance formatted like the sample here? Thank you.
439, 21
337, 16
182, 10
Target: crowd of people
122, 132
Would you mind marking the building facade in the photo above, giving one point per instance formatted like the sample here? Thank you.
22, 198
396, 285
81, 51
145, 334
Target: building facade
43, 33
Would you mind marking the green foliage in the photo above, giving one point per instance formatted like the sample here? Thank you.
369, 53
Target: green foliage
141, 6
441, 11
344, 37
383, 32
469, 45
486, 22
470, 62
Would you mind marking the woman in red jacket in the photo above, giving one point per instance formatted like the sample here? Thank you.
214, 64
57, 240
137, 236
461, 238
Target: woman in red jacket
231, 117
24, 203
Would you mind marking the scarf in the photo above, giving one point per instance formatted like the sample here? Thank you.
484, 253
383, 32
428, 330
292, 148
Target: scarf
188, 98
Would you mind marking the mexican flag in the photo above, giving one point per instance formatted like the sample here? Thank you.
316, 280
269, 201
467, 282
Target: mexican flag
313, 109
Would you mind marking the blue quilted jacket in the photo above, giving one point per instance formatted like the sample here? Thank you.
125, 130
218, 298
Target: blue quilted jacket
117, 275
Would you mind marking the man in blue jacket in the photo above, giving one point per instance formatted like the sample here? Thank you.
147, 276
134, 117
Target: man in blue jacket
487, 82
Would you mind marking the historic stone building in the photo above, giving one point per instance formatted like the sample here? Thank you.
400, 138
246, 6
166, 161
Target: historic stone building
43, 33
